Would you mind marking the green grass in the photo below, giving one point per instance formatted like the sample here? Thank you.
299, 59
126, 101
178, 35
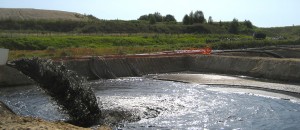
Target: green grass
290, 32
79, 45
98, 41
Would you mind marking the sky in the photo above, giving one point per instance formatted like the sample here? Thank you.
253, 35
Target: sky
262, 13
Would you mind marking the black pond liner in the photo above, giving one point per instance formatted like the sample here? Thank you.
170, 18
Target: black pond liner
65, 87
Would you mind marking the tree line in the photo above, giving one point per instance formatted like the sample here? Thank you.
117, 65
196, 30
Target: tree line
197, 17
157, 17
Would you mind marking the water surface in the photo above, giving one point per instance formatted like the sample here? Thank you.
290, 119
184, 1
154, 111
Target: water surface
169, 105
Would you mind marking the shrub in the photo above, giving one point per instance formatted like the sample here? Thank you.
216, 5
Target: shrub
259, 35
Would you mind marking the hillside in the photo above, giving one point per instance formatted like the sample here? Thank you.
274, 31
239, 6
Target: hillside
38, 20
38, 14
288, 31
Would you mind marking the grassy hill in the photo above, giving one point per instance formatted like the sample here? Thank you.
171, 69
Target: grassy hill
45, 21
48, 33
287, 32
38, 14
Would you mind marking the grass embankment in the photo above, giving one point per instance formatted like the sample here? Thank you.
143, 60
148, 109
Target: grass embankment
60, 46
289, 32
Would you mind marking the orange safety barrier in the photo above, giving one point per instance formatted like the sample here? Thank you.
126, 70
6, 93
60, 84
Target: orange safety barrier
190, 51
207, 51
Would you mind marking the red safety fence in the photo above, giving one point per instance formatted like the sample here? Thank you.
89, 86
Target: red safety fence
204, 51
190, 51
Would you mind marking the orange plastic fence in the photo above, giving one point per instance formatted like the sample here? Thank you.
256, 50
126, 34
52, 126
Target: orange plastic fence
207, 51
203, 51
190, 51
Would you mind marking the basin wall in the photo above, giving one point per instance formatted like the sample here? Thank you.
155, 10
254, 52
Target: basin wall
268, 68
95, 68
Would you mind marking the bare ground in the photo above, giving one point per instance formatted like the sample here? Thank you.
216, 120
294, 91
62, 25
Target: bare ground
11, 121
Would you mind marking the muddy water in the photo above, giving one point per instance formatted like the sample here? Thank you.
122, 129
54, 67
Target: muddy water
169, 105
31, 101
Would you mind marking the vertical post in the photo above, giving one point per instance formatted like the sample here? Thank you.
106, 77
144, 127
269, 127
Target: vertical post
3, 56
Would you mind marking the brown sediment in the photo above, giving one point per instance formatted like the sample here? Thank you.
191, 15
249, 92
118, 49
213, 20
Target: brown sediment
10, 121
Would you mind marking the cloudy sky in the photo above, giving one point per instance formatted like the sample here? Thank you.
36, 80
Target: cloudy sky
262, 13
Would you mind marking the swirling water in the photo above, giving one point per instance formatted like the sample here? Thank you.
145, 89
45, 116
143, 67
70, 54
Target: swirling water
65, 87
169, 105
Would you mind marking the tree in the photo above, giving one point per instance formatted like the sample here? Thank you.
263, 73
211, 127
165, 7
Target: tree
198, 17
234, 26
210, 20
186, 20
248, 24
191, 17
144, 17
169, 18
259, 35
220, 23
92, 17
158, 17
152, 19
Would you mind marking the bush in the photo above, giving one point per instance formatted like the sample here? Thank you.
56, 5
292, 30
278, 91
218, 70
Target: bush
259, 35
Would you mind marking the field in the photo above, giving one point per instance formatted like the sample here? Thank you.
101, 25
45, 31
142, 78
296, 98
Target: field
56, 46
38, 14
